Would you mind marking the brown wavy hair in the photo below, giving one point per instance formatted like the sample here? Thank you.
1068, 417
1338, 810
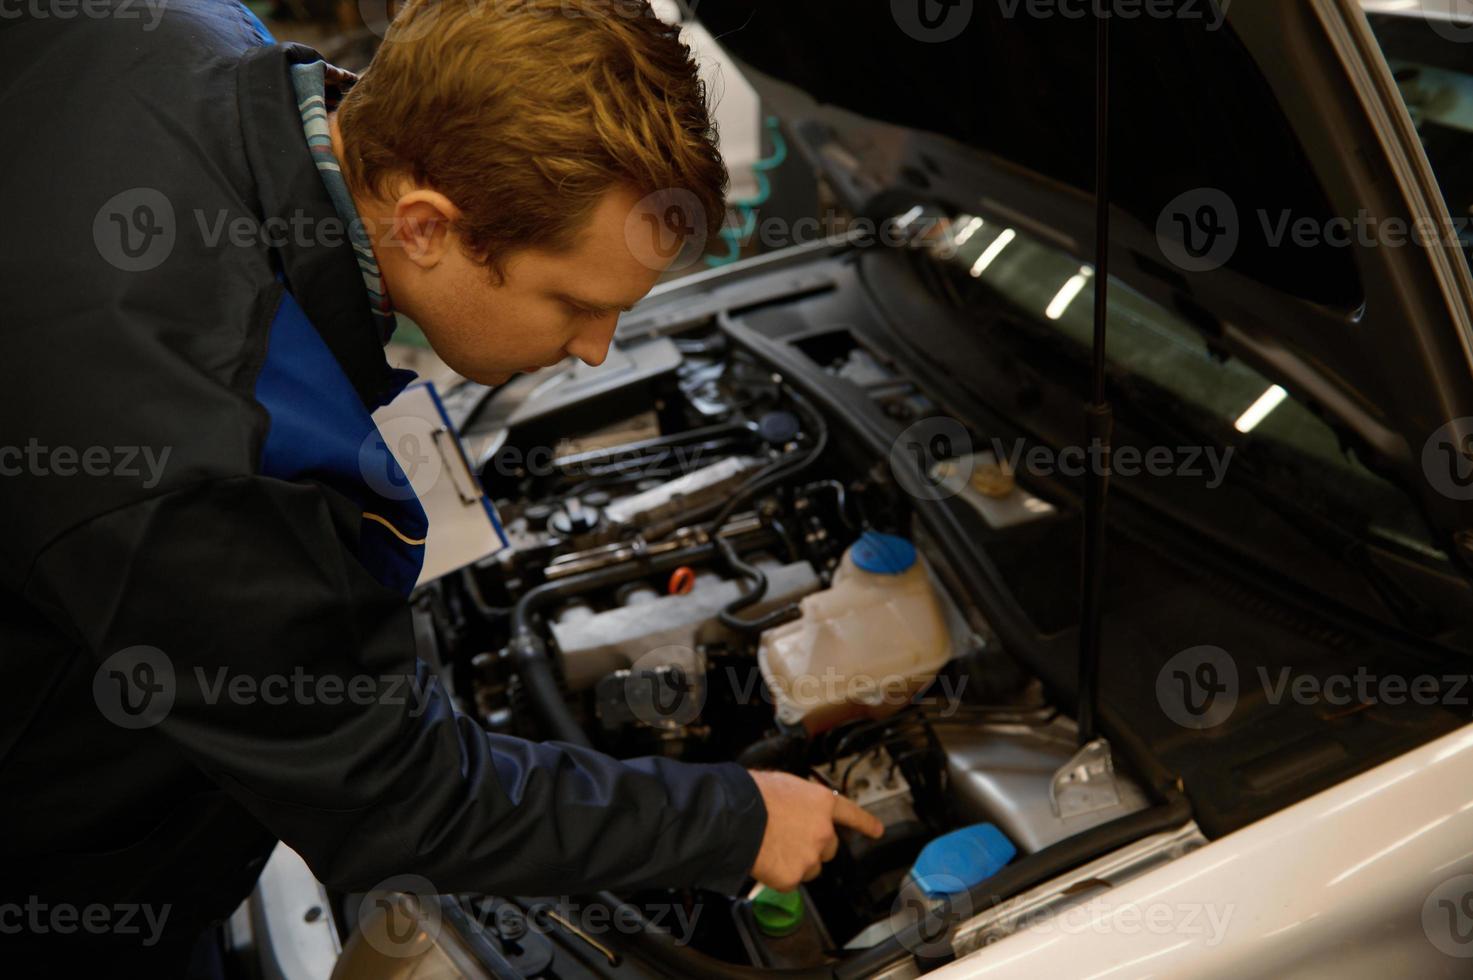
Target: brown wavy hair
525, 112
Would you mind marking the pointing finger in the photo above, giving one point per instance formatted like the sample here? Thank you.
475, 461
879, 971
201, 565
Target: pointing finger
847, 813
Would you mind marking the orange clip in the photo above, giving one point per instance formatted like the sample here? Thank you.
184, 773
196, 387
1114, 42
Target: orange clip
682, 580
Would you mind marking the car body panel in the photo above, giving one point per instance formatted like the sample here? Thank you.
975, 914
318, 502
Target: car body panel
1366, 880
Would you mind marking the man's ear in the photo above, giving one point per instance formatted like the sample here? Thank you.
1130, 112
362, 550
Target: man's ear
423, 226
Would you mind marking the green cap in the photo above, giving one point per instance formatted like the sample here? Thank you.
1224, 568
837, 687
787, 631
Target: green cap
777, 913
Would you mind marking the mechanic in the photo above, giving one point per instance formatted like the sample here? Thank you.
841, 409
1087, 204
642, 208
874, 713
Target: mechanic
487, 167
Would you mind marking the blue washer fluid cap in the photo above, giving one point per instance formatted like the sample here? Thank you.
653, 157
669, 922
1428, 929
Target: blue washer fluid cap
883, 554
958, 861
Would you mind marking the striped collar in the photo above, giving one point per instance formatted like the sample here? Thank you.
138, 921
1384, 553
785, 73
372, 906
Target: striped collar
318, 87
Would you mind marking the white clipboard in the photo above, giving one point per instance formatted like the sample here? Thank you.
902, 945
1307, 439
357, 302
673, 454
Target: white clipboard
464, 526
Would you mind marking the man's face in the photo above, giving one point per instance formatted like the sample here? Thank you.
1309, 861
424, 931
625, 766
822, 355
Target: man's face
549, 305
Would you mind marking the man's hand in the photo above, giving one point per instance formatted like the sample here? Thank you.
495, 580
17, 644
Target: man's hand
800, 837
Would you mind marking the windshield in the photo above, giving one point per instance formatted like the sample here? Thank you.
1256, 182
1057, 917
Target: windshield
1166, 369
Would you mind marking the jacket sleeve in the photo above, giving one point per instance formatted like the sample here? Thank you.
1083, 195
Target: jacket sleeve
283, 670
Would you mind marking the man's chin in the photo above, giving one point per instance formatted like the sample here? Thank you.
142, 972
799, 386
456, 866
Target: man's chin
491, 379
494, 378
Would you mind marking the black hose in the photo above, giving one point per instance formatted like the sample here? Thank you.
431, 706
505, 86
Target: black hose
841, 499
742, 569
783, 469
534, 667
784, 752
529, 650
533, 600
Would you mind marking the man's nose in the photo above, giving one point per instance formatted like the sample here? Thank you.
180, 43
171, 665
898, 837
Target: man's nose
591, 346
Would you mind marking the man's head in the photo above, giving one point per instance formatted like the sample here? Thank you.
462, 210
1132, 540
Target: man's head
536, 161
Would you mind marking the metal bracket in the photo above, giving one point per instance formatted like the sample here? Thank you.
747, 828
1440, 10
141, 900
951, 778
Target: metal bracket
1085, 783
464, 480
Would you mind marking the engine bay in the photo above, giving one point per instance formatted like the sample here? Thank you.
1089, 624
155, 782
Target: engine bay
702, 567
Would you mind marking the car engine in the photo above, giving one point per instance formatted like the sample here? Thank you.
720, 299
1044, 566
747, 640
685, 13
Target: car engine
701, 567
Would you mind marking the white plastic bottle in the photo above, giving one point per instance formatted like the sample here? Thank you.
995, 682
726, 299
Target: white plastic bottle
863, 646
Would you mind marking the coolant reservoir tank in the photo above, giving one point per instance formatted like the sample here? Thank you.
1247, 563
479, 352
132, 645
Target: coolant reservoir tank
863, 646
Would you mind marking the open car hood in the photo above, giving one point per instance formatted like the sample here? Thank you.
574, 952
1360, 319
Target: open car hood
1230, 130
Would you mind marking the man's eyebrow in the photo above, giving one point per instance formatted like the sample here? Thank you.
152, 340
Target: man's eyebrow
589, 304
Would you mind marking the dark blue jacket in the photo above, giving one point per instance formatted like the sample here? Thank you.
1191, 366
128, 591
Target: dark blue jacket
138, 319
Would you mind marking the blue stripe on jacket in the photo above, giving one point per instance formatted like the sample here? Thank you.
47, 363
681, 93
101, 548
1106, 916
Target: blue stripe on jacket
320, 430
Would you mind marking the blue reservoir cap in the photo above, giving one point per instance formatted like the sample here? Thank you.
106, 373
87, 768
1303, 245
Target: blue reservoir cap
958, 861
883, 554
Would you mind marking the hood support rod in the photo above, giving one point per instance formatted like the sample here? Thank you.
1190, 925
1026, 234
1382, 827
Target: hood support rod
1098, 415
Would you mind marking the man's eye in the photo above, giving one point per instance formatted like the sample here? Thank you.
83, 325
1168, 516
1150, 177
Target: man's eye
586, 314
